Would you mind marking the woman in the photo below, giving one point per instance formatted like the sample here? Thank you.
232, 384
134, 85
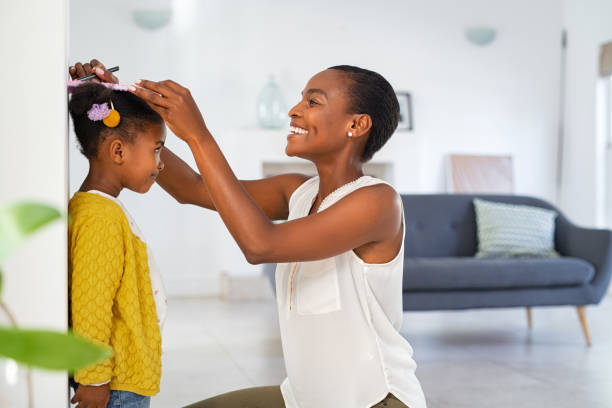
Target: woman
339, 255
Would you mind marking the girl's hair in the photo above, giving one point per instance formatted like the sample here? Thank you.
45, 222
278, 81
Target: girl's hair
134, 112
372, 94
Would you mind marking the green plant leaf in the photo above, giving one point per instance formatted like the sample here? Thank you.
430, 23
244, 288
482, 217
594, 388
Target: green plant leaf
20, 220
52, 350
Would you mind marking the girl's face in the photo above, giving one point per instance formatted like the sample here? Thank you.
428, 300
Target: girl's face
143, 162
320, 121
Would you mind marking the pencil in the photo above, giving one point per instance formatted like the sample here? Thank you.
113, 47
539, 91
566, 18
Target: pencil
90, 76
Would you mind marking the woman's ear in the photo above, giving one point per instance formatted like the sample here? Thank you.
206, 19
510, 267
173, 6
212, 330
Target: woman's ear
117, 151
360, 125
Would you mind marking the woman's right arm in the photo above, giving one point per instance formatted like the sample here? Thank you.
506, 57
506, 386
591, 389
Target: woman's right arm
271, 194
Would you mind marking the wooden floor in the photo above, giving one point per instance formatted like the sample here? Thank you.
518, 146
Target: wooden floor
467, 359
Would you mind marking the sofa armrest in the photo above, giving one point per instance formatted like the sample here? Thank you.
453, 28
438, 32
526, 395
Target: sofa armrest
592, 245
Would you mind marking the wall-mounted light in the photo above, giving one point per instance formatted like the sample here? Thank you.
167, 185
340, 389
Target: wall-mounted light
480, 36
151, 19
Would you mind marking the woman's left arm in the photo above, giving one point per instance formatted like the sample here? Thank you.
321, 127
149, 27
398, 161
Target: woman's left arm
371, 214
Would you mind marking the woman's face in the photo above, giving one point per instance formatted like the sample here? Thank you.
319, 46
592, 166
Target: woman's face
143, 162
320, 121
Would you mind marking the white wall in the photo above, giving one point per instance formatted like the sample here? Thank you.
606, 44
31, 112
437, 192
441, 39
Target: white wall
589, 25
498, 99
33, 165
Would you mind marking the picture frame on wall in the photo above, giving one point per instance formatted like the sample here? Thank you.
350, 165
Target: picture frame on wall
406, 122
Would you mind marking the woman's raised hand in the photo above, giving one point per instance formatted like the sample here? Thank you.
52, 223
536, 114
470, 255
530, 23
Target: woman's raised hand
175, 105
79, 70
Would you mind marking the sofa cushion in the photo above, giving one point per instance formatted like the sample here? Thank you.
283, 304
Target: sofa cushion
510, 230
476, 273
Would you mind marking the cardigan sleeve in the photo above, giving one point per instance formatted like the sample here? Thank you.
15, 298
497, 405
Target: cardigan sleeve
97, 263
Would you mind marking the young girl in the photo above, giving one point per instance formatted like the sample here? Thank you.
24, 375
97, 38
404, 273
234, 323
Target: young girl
116, 294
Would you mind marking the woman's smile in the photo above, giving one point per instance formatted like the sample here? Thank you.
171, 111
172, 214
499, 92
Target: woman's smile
296, 130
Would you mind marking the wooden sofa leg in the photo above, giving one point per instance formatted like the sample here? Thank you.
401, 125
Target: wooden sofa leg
529, 322
583, 322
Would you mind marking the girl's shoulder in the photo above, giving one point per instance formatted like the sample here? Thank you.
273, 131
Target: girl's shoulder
89, 207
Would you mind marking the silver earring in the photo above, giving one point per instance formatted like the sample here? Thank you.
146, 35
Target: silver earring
350, 134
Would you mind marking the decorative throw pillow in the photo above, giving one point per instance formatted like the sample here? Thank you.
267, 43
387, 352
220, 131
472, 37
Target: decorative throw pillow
511, 231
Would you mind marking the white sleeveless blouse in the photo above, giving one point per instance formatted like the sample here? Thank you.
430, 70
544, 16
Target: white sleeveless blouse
339, 321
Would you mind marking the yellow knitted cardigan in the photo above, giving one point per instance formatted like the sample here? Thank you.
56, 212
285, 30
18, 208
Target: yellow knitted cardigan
111, 299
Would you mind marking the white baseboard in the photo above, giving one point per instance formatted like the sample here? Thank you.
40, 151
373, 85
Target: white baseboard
227, 285
252, 286
204, 285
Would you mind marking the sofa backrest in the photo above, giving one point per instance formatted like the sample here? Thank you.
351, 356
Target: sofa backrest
441, 225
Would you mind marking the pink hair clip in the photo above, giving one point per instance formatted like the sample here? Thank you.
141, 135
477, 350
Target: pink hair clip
115, 87
98, 111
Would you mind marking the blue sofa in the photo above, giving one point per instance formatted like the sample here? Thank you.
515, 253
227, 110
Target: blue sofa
441, 272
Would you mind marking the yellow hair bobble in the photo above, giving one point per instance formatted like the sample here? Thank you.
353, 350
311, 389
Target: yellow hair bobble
113, 118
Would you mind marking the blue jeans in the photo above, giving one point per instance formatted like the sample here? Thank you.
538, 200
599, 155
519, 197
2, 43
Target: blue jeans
126, 399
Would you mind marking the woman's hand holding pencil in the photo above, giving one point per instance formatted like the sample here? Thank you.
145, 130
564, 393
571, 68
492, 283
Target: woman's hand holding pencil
94, 67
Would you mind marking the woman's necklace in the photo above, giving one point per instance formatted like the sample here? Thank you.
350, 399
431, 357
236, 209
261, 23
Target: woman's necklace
350, 183
294, 266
